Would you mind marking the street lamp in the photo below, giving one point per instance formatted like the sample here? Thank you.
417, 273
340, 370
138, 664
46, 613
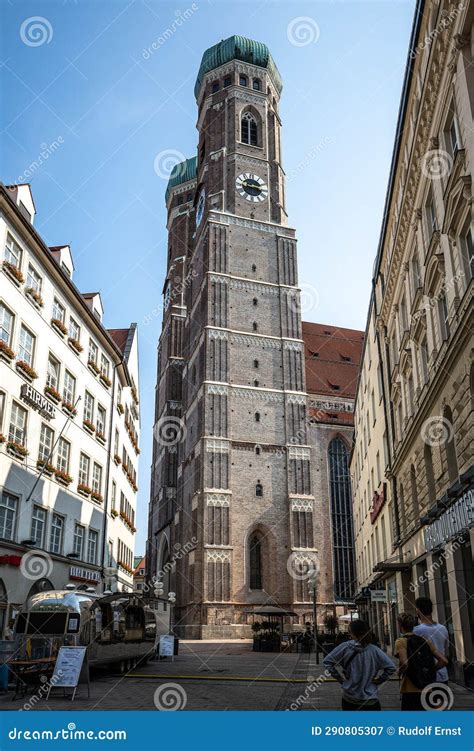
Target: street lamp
313, 585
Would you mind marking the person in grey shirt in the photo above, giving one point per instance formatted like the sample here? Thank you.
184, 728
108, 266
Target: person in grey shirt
434, 632
360, 667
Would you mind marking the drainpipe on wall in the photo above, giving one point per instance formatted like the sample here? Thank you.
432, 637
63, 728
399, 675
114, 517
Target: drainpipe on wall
107, 474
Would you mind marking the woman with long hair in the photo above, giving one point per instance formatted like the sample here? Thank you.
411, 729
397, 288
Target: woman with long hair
360, 667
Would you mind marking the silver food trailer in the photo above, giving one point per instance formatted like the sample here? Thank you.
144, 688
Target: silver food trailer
117, 628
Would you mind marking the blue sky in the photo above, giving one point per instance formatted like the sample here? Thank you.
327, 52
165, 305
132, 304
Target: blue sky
113, 109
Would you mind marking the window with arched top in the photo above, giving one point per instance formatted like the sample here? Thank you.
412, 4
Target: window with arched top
414, 493
257, 416
255, 301
451, 458
243, 81
429, 472
255, 559
254, 326
256, 85
249, 129
341, 518
259, 489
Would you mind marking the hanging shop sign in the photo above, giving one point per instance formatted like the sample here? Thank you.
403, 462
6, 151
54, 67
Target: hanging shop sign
37, 400
456, 519
378, 501
378, 595
83, 574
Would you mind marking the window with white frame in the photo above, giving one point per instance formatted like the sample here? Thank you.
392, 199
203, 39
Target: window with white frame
116, 443
92, 546
84, 469
113, 498
8, 515
69, 388
451, 132
63, 453
467, 251
101, 419
33, 279
97, 478
45, 443
38, 526
443, 314
26, 345
415, 272
430, 210
104, 365
78, 543
56, 534
423, 360
52, 372
89, 407
59, 311
74, 330
6, 324
93, 351
12, 252
119, 394
17, 432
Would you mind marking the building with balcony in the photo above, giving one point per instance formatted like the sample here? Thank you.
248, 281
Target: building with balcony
69, 422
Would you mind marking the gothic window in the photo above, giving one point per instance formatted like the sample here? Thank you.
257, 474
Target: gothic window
255, 551
257, 450
249, 130
341, 517
243, 81
257, 416
259, 487
451, 457
255, 326
256, 86
256, 383
303, 529
227, 81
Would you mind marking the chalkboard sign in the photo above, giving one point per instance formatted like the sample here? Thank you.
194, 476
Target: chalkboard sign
167, 645
68, 667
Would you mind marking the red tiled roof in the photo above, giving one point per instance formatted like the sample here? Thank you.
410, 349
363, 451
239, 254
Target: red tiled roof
120, 337
332, 356
141, 564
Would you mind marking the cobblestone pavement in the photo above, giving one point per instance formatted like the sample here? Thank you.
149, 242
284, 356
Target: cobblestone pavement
218, 675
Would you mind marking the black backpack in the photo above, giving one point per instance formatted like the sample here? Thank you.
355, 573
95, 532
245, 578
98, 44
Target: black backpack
421, 668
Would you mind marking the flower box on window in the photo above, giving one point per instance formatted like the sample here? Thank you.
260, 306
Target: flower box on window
114, 513
17, 449
69, 409
134, 395
89, 426
52, 394
26, 370
35, 296
63, 477
2, 438
100, 437
105, 380
6, 352
57, 324
117, 459
47, 468
121, 408
75, 345
97, 497
84, 489
13, 272
93, 367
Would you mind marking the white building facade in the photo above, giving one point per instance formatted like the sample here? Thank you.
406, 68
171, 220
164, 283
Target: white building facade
69, 423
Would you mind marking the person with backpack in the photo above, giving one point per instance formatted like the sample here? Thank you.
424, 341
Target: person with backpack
434, 632
419, 659
360, 667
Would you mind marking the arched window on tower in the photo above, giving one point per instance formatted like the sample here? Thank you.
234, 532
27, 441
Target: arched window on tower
249, 130
255, 557
256, 84
243, 80
259, 488
341, 517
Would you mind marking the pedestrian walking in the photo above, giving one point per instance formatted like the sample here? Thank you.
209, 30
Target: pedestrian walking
434, 632
418, 662
360, 667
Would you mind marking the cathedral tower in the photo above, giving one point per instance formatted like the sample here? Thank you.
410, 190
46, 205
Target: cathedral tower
231, 463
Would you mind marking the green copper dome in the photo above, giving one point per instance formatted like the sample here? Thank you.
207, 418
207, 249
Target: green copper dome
181, 173
237, 48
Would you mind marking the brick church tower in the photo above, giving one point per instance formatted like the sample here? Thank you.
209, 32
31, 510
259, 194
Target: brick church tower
232, 517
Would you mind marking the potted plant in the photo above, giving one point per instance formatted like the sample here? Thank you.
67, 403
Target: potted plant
75, 344
114, 513
26, 369
84, 489
134, 395
17, 449
62, 477
13, 272
121, 408
52, 394
69, 408
34, 295
96, 496
2, 438
6, 352
100, 436
117, 459
105, 380
46, 467
92, 365
89, 426
57, 324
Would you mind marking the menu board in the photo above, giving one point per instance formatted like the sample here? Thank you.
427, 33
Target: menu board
67, 669
167, 645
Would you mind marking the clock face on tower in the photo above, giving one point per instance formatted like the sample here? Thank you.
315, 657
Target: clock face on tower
200, 207
251, 187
